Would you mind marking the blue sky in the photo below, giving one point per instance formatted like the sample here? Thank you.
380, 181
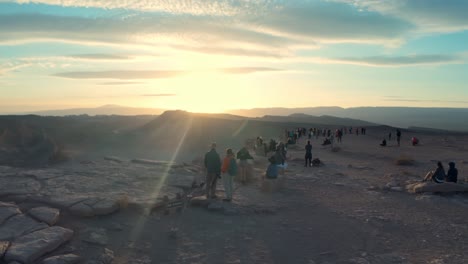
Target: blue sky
211, 56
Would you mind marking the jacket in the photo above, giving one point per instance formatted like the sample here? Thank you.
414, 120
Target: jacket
213, 162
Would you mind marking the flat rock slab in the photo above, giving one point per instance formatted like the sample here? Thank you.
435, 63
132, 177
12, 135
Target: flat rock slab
94, 207
114, 159
47, 215
30, 247
62, 259
200, 201
19, 225
4, 245
8, 210
153, 162
446, 187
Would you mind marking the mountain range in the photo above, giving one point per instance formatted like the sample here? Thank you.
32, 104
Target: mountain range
405, 117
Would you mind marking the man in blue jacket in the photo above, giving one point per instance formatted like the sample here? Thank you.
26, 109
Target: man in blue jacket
213, 171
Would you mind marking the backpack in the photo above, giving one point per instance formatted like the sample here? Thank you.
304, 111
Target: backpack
232, 170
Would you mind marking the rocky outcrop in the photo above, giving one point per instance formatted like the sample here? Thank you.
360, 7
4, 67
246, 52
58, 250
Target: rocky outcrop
8, 210
62, 259
19, 225
47, 215
94, 207
447, 187
30, 247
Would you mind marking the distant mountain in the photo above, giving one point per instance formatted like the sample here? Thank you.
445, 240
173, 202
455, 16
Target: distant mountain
438, 118
103, 110
316, 120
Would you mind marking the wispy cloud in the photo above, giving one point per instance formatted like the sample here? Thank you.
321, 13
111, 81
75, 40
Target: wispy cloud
119, 74
99, 56
159, 95
426, 15
120, 83
396, 61
415, 100
247, 70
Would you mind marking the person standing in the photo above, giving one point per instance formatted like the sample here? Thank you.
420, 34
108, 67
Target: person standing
229, 170
308, 154
398, 136
243, 155
213, 171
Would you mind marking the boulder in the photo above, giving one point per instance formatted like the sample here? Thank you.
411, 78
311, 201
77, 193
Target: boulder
447, 187
107, 256
19, 225
81, 209
8, 210
30, 247
62, 259
97, 236
47, 215
200, 201
105, 207
4, 245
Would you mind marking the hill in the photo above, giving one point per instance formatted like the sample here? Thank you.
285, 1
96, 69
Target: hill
437, 118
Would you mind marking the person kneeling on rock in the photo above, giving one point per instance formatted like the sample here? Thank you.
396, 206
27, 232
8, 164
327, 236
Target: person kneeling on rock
436, 176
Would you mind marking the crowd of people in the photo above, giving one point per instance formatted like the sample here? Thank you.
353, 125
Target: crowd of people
237, 163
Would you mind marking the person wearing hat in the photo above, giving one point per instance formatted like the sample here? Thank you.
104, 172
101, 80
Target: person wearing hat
452, 173
213, 171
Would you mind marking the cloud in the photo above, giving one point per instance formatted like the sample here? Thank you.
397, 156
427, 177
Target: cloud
268, 28
218, 7
99, 56
120, 83
247, 70
395, 61
427, 15
424, 100
119, 74
158, 95
12, 66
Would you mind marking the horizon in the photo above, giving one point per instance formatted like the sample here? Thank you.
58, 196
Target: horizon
222, 55
228, 111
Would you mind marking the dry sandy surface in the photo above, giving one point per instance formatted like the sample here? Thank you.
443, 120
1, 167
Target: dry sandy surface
353, 209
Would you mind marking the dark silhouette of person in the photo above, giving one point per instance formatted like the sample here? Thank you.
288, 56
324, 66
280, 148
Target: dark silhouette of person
308, 154
384, 143
452, 173
213, 171
398, 136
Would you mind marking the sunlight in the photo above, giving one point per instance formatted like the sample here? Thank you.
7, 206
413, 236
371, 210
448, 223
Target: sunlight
139, 225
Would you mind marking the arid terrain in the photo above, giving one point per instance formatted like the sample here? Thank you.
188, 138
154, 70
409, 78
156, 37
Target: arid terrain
359, 206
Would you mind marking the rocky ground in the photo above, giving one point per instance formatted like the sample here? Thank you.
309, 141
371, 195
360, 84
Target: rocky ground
355, 208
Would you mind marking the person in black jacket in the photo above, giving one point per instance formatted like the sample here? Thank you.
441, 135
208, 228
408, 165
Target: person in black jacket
452, 173
243, 155
308, 154
213, 171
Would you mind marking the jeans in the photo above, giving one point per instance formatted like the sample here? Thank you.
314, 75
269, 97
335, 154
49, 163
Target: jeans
228, 185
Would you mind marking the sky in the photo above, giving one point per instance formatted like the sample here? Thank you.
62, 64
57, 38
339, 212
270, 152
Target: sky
212, 56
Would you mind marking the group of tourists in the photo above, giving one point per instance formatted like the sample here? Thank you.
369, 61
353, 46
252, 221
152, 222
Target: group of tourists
226, 169
414, 140
439, 176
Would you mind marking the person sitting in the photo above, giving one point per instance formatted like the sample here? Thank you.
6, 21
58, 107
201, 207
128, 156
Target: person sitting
327, 141
436, 176
414, 141
452, 173
384, 143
